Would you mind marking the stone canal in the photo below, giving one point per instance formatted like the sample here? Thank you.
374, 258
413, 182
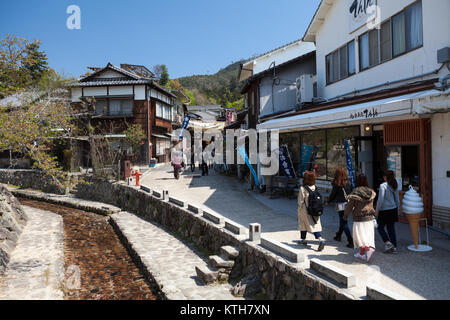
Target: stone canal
93, 250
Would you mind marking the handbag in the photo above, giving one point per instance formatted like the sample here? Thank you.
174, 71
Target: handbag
342, 205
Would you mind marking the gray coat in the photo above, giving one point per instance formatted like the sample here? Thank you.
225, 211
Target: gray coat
388, 198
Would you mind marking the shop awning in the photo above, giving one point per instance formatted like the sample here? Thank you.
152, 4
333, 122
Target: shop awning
369, 112
434, 102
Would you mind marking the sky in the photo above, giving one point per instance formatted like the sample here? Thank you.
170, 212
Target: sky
189, 36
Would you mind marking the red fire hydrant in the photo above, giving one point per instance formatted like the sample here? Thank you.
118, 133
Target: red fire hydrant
137, 174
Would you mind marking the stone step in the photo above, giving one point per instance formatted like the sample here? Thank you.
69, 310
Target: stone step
219, 262
206, 274
229, 252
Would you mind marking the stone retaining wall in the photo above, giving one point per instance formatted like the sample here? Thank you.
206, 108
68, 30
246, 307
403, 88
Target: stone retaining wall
29, 179
280, 278
12, 222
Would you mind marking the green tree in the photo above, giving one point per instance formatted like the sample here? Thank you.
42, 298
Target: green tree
23, 65
161, 74
164, 76
33, 129
134, 136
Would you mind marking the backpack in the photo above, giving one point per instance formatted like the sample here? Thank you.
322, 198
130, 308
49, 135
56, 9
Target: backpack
315, 203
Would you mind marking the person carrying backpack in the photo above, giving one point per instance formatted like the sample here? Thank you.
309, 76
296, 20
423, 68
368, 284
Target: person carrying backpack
310, 208
387, 209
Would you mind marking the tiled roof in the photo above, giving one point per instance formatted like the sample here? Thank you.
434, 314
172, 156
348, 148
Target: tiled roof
110, 82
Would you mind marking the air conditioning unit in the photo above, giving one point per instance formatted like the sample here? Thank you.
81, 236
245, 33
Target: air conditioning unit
305, 89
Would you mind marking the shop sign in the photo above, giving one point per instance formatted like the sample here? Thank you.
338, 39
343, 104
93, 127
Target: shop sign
361, 12
307, 152
365, 114
187, 118
349, 158
286, 162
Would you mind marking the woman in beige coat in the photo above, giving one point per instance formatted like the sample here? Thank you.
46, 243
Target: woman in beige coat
307, 223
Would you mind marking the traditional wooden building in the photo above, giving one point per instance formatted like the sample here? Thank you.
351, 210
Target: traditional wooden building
124, 96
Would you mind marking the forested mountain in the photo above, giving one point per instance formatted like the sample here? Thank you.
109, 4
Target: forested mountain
220, 88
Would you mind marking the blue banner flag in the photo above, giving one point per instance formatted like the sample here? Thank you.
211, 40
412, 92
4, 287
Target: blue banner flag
350, 170
306, 158
245, 157
187, 118
286, 162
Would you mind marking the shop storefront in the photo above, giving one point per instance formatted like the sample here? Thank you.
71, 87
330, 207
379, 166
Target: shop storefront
382, 135
320, 151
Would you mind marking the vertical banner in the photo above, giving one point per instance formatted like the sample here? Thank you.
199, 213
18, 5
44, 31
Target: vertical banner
245, 157
286, 162
350, 170
187, 118
306, 158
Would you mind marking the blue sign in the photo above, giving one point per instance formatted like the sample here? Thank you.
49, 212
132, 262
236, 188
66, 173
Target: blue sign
306, 158
350, 171
187, 118
245, 157
286, 163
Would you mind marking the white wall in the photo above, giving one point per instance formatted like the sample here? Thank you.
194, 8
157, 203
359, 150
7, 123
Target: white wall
95, 91
285, 93
139, 93
120, 90
440, 130
76, 94
110, 74
334, 33
282, 55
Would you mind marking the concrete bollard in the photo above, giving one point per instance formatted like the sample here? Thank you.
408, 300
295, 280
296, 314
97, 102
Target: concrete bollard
255, 232
165, 195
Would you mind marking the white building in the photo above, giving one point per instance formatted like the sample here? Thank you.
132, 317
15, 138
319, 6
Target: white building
379, 66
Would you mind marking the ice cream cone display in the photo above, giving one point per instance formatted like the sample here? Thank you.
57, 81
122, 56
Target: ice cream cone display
413, 209
414, 220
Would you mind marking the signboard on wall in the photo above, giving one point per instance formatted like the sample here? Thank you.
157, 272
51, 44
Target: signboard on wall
361, 12
286, 162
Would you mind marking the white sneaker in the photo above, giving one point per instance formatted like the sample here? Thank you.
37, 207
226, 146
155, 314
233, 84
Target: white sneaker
369, 254
359, 256
388, 247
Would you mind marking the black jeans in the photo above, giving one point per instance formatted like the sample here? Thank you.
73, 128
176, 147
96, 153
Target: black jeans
343, 227
303, 234
391, 231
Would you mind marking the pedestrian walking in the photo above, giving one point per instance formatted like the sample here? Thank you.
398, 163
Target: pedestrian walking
192, 161
387, 209
205, 170
360, 205
342, 187
309, 199
177, 161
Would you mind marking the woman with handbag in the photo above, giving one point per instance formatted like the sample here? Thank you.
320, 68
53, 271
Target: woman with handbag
360, 205
387, 209
342, 187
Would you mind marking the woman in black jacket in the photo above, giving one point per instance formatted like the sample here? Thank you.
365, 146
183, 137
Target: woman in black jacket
342, 187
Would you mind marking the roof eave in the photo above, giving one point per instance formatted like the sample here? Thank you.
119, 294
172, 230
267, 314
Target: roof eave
317, 20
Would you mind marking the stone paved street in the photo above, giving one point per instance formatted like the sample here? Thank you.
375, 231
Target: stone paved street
36, 269
413, 275
171, 261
